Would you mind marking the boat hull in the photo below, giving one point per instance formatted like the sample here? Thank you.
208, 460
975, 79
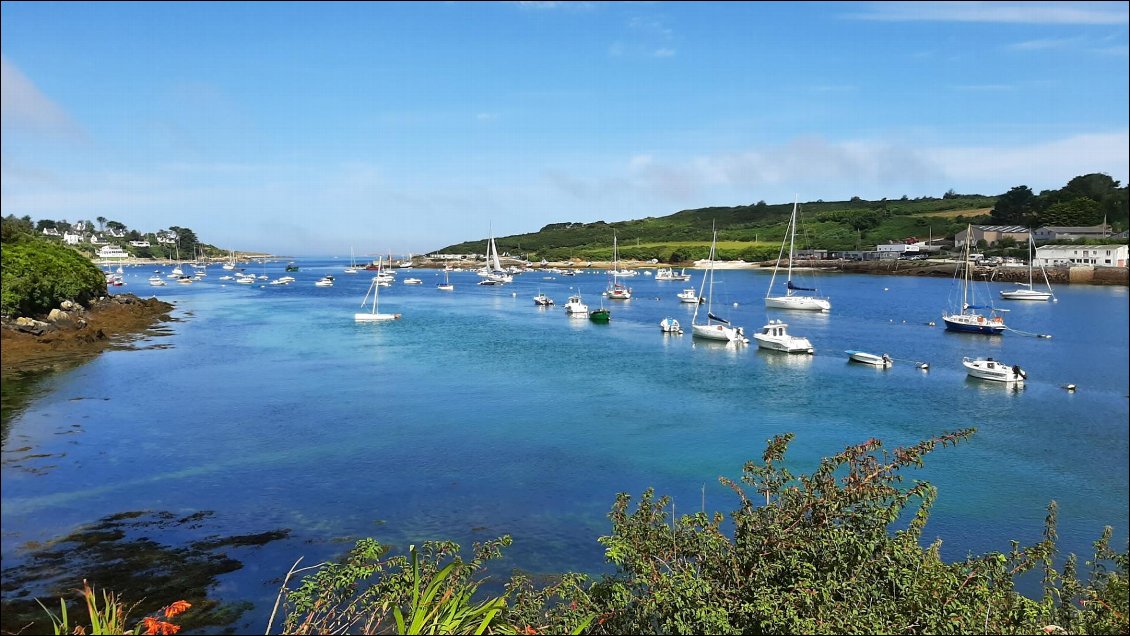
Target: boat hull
787, 345
803, 303
863, 357
600, 315
721, 333
1025, 294
375, 317
978, 324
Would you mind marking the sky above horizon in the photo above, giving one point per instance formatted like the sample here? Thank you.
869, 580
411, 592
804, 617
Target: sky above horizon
311, 129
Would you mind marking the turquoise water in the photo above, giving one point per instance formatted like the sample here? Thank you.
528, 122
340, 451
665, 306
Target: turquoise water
480, 414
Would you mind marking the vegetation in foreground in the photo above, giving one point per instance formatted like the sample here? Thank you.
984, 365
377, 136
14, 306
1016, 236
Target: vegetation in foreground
836, 551
36, 275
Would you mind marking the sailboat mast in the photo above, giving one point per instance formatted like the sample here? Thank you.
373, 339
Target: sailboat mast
792, 242
1030, 259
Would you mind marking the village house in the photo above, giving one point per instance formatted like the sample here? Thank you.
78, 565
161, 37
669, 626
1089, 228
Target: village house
991, 234
1096, 255
1054, 233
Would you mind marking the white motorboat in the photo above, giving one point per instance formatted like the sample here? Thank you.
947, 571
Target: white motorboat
156, 281
413, 281
668, 273
574, 307
863, 357
775, 337
542, 300
689, 295
670, 325
325, 281
792, 299
994, 370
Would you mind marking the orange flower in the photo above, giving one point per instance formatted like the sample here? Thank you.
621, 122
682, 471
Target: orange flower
176, 608
155, 626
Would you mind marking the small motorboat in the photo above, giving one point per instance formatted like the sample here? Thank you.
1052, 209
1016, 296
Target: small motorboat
775, 337
325, 281
670, 325
689, 295
575, 307
863, 357
542, 300
994, 370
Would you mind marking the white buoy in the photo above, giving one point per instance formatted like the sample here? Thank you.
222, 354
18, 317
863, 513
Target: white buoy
1070, 388
886, 289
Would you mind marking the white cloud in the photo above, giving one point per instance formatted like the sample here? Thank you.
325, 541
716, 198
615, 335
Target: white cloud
818, 168
24, 107
1093, 13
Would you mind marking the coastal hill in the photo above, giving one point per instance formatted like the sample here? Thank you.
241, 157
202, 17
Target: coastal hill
749, 232
754, 232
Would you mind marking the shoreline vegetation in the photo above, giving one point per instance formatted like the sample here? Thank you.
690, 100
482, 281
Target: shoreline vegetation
837, 551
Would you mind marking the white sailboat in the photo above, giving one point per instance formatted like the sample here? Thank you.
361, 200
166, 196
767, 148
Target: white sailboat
1025, 291
714, 328
617, 290
491, 271
446, 284
372, 315
352, 269
792, 299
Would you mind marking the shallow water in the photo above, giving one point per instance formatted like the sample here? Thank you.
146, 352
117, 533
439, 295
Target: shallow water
479, 414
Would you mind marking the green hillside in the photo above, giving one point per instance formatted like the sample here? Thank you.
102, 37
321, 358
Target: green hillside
750, 232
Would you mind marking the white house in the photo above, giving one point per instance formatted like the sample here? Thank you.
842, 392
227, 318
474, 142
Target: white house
112, 251
165, 239
50, 231
117, 233
139, 243
72, 239
96, 239
1097, 255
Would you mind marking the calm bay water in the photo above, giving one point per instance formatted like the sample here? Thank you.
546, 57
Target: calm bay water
479, 414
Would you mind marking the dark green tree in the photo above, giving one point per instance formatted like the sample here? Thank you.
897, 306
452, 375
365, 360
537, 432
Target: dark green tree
1018, 206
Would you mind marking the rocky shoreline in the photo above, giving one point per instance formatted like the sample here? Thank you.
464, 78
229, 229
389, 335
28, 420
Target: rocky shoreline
72, 331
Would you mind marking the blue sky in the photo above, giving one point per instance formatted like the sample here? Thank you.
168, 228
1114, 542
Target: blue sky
308, 129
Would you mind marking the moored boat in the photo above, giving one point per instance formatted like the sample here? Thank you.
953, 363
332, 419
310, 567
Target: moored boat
670, 325
775, 337
994, 370
863, 357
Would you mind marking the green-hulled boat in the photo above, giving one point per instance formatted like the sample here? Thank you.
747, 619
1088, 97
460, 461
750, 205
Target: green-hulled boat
600, 315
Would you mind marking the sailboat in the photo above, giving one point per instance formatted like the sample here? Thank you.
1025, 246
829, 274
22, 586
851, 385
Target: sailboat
372, 315
352, 269
491, 271
792, 299
714, 328
1025, 291
446, 284
966, 318
617, 290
